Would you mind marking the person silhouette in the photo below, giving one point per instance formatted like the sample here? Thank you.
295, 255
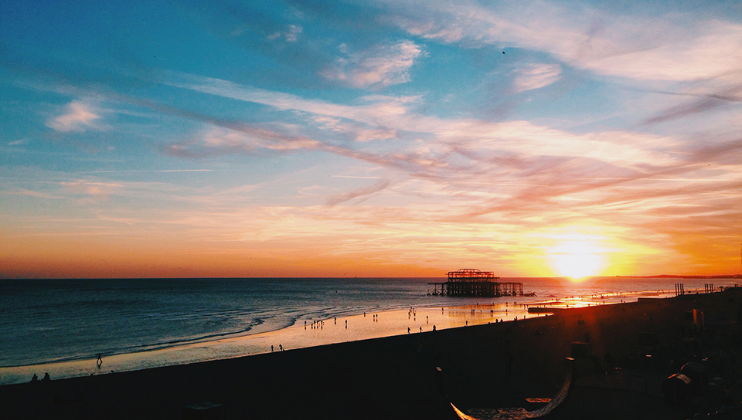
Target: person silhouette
34, 378
99, 362
46, 377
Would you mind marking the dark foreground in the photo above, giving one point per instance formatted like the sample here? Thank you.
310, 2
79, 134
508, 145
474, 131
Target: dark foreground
487, 366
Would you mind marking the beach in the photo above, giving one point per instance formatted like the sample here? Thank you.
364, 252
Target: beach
486, 366
61, 326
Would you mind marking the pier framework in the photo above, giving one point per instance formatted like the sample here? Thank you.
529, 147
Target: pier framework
472, 282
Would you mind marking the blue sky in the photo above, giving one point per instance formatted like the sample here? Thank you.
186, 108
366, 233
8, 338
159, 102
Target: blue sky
375, 138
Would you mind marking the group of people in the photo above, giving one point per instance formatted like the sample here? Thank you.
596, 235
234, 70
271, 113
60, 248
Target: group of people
317, 324
421, 329
46, 378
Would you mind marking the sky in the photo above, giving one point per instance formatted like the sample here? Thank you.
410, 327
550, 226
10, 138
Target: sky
306, 138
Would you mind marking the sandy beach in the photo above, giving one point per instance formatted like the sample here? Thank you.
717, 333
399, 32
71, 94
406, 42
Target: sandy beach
483, 366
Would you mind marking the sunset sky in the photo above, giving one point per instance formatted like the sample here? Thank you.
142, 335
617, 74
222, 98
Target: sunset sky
369, 138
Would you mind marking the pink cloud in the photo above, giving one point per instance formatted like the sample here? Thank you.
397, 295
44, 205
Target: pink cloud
376, 67
77, 116
535, 76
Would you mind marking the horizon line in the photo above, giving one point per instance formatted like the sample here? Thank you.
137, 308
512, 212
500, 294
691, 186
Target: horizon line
689, 276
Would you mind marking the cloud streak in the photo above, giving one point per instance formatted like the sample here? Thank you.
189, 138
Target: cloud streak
535, 76
359, 193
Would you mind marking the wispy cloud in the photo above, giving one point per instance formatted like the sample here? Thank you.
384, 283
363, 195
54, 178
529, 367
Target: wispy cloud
357, 132
703, 99
30, 193
148, 171
359, 193
239, 139
534, 76
291, 34
97, 189
77, 116
377, 67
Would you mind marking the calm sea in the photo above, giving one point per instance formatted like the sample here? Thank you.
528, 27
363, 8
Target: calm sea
44, 321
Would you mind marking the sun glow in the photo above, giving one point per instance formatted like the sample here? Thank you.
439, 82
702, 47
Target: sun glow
577, 259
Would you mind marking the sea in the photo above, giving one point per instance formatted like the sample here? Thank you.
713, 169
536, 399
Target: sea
62, 326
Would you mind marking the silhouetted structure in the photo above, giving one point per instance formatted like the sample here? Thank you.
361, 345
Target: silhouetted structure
473, 282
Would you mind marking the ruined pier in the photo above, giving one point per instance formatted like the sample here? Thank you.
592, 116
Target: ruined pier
471, 282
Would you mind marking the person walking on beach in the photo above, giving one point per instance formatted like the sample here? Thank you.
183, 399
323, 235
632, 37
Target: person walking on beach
99, 362
408, 330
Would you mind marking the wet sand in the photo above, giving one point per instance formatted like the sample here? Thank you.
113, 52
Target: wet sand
491, 365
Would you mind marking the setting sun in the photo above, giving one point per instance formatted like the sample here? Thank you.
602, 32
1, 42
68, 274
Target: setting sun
577, 259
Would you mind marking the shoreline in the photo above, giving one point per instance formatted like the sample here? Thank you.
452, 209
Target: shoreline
362, 327
388, 323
